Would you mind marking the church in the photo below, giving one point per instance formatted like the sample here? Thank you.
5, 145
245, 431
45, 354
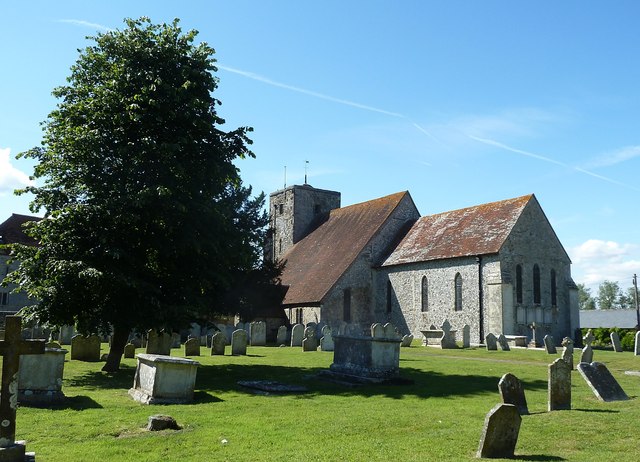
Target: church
496, 267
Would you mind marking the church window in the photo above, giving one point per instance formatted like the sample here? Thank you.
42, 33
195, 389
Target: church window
458, 292
4, 298
299, 316
536, 285
281, 208
424, 294
280, 245
554, 295
346, 307
389, 296
518, 284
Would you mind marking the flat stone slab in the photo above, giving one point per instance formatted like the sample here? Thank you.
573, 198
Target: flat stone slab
636, 373
270, 386
601, 382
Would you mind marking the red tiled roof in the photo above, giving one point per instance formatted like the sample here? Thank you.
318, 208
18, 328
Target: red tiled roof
314, 265
479, 230
11, 231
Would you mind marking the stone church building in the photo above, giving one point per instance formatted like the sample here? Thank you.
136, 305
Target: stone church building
498, 267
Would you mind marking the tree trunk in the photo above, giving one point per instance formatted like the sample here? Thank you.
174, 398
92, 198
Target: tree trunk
118, 342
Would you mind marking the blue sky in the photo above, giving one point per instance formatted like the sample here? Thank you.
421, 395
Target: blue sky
459, 102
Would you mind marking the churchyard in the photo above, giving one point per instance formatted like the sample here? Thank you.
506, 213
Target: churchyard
438, 417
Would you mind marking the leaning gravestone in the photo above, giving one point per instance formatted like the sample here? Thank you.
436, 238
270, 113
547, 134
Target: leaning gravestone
239, 342
310, 341
587, 351
281, 337
297, 334
129, 350
559, 387
636, 349
601, 382
502, 341
11, 348
491, 342
500, 432
326, 341
192, 347
512, 392
567, 352
549, 345
448, 340
85, 348
406, 341
258, 333
615, 341
218, 342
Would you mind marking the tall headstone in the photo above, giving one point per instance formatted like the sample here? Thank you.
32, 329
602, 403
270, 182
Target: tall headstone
310, 341
192, 347
239, 342
491, 342
559, 386
502, 341
567, 352
281, 337
11, 348
636, 349
549, 345
85, 348
158, 343
175, 340
326, 341
587, 351
297, 334
615, 341
129, 350
218, 343
512, 392
66, 334
466, 336
258, 333
447, 341
602, 383
500, 432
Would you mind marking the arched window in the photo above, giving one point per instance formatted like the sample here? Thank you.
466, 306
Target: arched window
424, 294
536, 285
518, 284
346, 307
458, 296
554, 295
389, 296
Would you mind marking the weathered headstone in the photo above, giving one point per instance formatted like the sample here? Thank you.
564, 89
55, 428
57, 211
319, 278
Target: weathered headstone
258, 333
391, 331
161, 379
326, 341
310, 341
239, 342
636, 348
297, 334
491, 342
158, 343
406, 341
448, 341
549, 345
53, 345
66, 334
218, 342
129, 350
502, 341
11, 348
512, 392
466, 336
559, 387
567, 352
192, 347
85, 348
377, 330
615, 341
40, 377
500, 432
281, 337
586, 356
601, 382
175, 340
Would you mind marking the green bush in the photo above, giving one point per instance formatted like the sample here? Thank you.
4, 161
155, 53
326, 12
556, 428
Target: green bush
602, 337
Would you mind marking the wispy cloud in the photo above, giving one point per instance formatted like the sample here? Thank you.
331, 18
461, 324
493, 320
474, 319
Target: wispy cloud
86, 24
10, 177
614, 157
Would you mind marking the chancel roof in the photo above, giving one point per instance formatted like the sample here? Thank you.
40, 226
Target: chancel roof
314, 264
479, 230
11, 231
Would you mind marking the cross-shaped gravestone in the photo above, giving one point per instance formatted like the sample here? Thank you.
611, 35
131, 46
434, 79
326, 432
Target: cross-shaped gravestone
588, 339
11, 348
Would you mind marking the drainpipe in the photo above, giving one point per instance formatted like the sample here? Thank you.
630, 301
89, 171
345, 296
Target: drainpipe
480, 298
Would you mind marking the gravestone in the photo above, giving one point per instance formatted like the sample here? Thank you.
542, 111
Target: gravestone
602, 383
11, 348
636, 349
239, 342
406, 341
53, 345
587, 351
559, 387
129, 350
192, 347
161, 379
500, 432
218, 342
158, 343
466, 336
567, 352
66, 334
326, 341
40, 377
502, 341
491, 342
310, 341
615, 341
281, 337
391, 331
447, 341
377, 330
297, 334
175, 340
512, 392
85, 348
549, 345
258, 333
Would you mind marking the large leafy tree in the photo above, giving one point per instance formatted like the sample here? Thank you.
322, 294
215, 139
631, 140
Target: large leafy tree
147, 222
585, 300
609, 293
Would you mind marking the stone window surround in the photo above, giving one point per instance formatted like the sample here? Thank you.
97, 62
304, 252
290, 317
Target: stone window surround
424, 294
457, 292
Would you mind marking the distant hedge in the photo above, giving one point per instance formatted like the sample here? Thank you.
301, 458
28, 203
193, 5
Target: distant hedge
603, 337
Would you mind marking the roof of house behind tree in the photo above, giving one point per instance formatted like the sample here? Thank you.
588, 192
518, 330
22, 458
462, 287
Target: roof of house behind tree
11, 230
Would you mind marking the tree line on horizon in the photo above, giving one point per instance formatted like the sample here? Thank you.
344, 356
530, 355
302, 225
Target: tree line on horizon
610, 297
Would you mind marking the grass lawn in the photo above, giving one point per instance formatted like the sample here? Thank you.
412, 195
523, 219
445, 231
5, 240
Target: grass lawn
438, 418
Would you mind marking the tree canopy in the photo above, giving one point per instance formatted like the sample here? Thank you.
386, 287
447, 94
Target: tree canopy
147, 222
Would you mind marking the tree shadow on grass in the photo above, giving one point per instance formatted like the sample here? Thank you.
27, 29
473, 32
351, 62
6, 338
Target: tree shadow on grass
74, 403
538, 457
606, 411
94, 380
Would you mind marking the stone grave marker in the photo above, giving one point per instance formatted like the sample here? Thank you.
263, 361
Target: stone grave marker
258, 333
502, 341
500, 432
466, 336
85, 348
310, 341
448, 340
567, 352
11, 348
491, 342
175, 340
512, 392
587, 351
297, 334
636, 349
192, 347
326, 341
66, 334
602, 383
218, 343
559, 387
158, 343
549, 345
281, 337
239, 342
129, 350
406, 341
377, 330
391, 331
615, 341
161, 379
40, 377
53, 345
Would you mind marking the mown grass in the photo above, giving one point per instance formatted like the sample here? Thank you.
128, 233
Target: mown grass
439, 417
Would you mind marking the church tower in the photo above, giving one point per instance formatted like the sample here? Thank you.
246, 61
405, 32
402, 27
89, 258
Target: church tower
294, 212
